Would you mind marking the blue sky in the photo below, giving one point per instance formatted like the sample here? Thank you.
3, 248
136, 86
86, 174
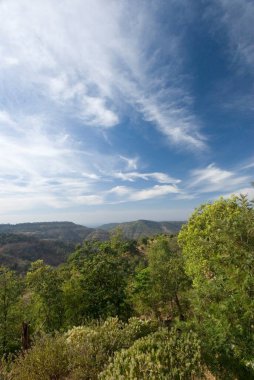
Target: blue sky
123, 110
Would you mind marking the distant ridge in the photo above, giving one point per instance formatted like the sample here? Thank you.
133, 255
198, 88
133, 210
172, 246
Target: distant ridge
20, 244
143, 228
64, 231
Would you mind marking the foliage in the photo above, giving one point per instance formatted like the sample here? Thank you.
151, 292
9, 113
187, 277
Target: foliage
46, 301
90, 289
79, 354
218, 246
47, 360
10, 326
159, 356
101, 293
207, 288
92, 346
156, 288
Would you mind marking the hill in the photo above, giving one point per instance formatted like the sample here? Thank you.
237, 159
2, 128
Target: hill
18, 251
143, 228
63, 231
20, 244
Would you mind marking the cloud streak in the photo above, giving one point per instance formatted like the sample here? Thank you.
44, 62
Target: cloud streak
237, 17
156, 176
89, 62
82, 81
214, 179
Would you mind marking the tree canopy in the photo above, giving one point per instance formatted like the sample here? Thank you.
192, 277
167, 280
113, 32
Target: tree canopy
218, 248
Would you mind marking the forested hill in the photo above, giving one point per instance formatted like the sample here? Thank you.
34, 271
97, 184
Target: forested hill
20, 244
143, 228
64, 231
76, 233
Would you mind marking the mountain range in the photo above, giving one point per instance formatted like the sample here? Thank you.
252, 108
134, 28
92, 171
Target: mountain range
20, 244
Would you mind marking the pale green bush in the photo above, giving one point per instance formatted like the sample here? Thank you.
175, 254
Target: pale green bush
159, 356
92, 347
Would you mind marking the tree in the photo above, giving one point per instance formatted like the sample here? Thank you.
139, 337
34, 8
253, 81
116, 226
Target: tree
46, 303
95, 288
10, 323
157, 287
218, 247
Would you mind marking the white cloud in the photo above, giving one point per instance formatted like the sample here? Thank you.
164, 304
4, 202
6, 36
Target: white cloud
120, 190
41, 169
249, 191
94, 112
180, 126
92, 57
126, 194
132, 163
210, 174
156, 176
154, 192
248, 166
212, 179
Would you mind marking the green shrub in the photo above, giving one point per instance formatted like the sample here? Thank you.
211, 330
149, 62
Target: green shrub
80, 354
159, 356
91, 347
46, 360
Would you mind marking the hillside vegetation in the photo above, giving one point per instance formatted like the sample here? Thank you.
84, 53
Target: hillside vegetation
168, 307
143, 228
23, 243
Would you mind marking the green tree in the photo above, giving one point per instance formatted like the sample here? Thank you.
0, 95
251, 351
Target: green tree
158, 287
44, 286
95, 288
218, 246
10, 322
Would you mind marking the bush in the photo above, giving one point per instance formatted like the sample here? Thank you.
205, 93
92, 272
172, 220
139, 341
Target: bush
92, 347
80, 354
159, 356
46, 360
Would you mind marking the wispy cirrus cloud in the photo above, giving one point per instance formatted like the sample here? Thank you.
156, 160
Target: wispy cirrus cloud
92, 58
214, 179
126, 194
156, 176
91, 90
47, 171
154, 192
131, 163
237, 17
249, 191
38, 166
72, 70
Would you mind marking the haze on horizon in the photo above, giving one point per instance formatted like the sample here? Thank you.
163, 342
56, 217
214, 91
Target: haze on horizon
113, 111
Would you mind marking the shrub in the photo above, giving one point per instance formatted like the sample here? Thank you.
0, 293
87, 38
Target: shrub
46, 360
159, 356
80, 354
92, 347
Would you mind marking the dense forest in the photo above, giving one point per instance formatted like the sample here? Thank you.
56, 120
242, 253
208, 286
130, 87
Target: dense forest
174, 306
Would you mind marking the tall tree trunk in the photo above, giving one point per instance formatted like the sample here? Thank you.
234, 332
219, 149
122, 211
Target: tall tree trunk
25, 336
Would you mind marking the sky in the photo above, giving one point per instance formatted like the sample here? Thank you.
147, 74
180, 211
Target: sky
118, 110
